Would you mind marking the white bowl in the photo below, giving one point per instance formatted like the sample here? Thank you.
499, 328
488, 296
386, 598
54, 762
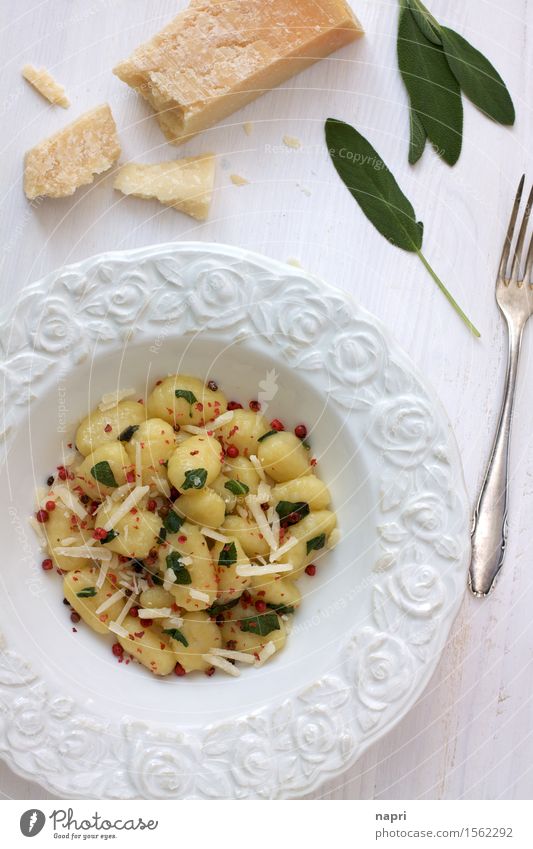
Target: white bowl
374, 619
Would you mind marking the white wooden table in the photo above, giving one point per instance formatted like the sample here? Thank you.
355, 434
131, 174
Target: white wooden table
470, 735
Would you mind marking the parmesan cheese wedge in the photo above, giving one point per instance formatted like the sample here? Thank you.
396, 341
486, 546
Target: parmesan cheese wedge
185, 184
60, 164
215, 57
43, 82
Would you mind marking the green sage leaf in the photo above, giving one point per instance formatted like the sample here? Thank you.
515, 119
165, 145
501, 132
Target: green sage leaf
110, 536
425, 21
103, 473
478, 78
373, 186
267, 434
376, 191
172, 522
433, 90
87, 592
417, 137
284, 509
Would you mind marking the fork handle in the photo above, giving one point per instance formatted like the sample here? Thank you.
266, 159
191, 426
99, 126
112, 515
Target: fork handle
489, 524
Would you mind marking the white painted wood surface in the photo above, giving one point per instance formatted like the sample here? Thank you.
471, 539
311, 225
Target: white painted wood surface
470, 736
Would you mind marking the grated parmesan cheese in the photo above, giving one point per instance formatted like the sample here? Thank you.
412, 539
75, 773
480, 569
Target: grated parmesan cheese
222, 663
154, 612
125, 610
255, 509
264, 493
122, 509
229, 654
161, 485
104, 568
172, 622
198, 595
248, 570
111, 399
70, 501
68, 541
275, 523
109, 602
266, 652
99, 553
117, 628
275, 555
258, 467
209, 532
242, 511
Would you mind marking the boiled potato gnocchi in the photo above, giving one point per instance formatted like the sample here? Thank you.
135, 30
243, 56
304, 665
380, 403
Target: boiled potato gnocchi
182, 526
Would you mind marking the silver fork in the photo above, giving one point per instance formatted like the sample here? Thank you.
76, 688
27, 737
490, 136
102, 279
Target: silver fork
514, 296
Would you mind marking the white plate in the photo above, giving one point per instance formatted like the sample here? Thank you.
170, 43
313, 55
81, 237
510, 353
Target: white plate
375, 618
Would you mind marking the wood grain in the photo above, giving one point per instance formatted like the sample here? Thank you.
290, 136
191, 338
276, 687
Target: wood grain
470, 734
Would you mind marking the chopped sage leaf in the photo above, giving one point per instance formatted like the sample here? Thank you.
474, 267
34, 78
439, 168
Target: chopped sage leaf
261, 625
281, 609
176, 634
294, 509
220, 607
190, 397
88, 592
128, 432
110, 536
236, 487
172, 522
183, 576
266, 435
103, 473
316, 543
162, 535
195, 479
228, 554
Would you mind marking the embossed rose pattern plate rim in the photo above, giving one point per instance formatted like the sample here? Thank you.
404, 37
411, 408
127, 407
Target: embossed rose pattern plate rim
286, 749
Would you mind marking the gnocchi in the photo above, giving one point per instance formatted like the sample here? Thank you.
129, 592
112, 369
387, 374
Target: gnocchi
182, 527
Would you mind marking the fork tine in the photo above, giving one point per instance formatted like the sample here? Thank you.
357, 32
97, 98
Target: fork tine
515, 270
529, 263
508, 239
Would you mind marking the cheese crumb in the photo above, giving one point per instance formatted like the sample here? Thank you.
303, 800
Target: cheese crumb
292, 142
237, 180
43, 82
248, 127
71, 158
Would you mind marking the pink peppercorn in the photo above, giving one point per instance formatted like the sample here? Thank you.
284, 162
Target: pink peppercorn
41, 516
300, 431
47, 565
310, 570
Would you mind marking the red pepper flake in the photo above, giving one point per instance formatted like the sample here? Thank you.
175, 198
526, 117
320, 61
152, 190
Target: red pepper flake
275, 424
210, 671
41, 516
112, 577
300, 431
117, 650
246, 597
193, 453
234, 405
314, 461
199, 406
310, 570
174, 607
255, 406
50, 505
74, 630
152, 505
139, 635
134, 510
162, 646
148, 623
100, 533
123, 559
158, 382
212, 385
47, 565
260, 606
75, 617
130, 477
179, 670
140, 401
62, 473
232, 451
261, 592
108, 428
